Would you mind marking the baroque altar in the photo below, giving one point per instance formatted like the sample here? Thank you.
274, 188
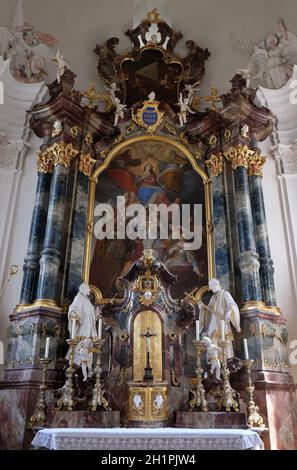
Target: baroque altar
150, 358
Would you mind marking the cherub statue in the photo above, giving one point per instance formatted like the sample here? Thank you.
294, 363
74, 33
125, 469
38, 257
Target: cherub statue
244, 131
212, 355
119, 112
112, 92
62, 65
151, 97
191, 90
57, 128
84, 357
184, 104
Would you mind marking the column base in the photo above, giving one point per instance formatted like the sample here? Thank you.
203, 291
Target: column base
260, 306
266, 333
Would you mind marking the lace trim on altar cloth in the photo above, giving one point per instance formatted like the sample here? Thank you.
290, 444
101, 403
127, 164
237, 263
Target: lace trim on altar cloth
116, 439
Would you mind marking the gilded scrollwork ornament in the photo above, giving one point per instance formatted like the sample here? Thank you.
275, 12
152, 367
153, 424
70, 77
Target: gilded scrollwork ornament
215, 165
86, 164
44, 162
256, 164
63, 154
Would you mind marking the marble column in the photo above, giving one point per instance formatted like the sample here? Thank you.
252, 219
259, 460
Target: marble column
38, 224
261, 231
248, 262
50, 260
215, 166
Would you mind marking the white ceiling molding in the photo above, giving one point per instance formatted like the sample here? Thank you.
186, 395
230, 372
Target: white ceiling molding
18, 99
280, 103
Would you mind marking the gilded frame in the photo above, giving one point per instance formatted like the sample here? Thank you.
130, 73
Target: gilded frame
91, 204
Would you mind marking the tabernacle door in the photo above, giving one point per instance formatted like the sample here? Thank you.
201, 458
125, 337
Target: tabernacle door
145, 321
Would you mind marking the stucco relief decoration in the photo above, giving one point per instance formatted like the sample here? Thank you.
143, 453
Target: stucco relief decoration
29, 50
286, 155
272, 60
9, 152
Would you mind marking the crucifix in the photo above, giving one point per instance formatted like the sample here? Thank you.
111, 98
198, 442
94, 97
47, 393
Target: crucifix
148, 371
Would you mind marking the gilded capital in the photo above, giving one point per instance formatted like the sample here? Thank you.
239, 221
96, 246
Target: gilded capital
256, 164
215, 164
44, 162
86, 164
239, 156
63, 154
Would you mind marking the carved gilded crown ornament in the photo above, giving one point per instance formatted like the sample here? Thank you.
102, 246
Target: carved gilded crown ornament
147, 285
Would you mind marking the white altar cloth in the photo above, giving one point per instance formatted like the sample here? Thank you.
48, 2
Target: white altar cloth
147, 439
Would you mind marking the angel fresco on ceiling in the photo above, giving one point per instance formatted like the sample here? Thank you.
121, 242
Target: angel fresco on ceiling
272, 61
29, 50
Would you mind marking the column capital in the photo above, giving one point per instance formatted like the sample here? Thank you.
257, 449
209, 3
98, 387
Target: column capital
44, 162
256, 164
215, 164
86, 164
62, 154
239, 156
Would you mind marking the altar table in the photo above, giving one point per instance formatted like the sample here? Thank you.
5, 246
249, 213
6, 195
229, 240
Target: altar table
147, 439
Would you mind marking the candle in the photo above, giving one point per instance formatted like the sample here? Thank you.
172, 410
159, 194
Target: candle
47, 344
246, 349
100, 328
197, 330
222, 330
73, 328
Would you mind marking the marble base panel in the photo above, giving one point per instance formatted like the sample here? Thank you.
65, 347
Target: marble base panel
211, 420
19, 392
15, 408
275, 394
84, 419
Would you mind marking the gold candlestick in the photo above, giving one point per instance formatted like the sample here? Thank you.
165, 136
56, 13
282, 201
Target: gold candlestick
255, 420
98, 399
226, 400
38, 419
198, 400
66, 399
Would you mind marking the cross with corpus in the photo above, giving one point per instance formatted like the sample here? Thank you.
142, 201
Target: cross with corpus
148, 371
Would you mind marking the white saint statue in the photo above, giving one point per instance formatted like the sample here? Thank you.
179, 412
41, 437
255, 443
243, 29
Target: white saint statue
222, 306
83, 311
82, 318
